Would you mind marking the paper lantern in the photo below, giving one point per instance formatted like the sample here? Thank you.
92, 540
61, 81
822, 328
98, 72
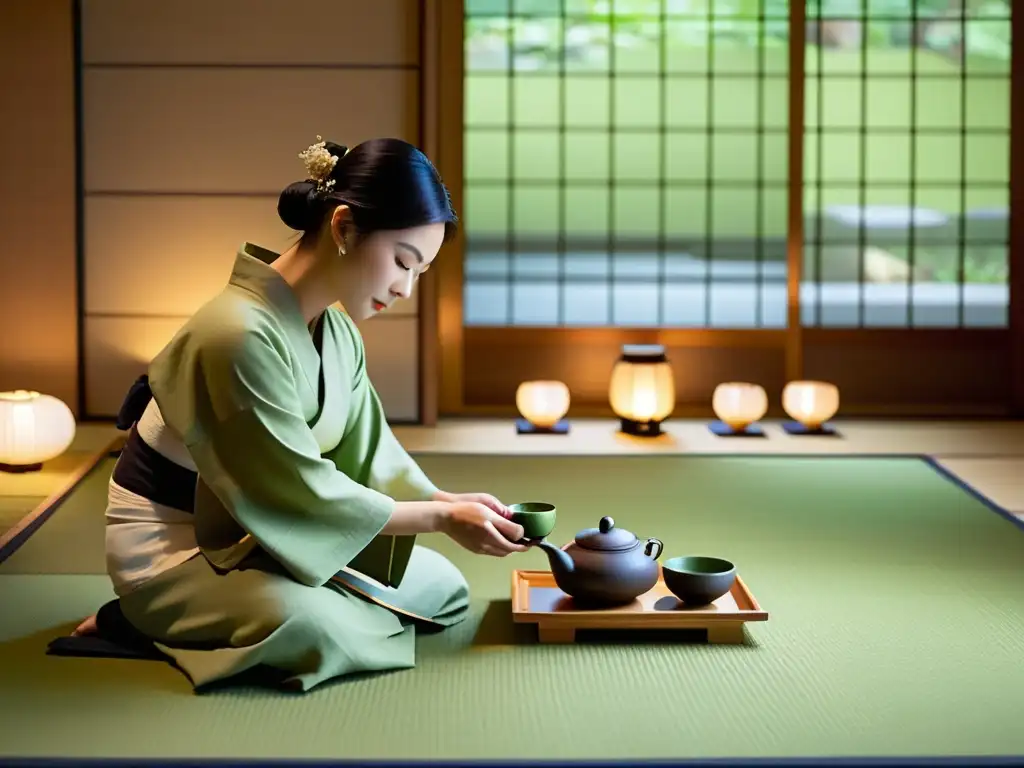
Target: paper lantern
542, 405
33, 428
642, 390
739, 404
810, 403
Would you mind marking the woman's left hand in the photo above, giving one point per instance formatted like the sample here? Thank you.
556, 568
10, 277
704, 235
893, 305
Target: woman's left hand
480, 498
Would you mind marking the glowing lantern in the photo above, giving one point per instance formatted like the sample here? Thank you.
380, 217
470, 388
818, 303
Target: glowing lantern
811, 403
542, 405
642, 390
33, 428
739, 404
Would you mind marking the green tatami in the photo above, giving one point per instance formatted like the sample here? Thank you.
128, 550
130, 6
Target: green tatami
896, 629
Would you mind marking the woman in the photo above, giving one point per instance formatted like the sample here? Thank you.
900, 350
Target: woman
262, 513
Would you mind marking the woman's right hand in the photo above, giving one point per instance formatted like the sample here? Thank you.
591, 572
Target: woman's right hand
480, 529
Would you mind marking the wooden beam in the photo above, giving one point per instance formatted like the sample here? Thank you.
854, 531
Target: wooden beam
429, 136
450, 80
1016, 254
795, 222
878, 370
614, 337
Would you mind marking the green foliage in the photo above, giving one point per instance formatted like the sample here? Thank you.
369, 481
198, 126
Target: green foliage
742, 44
904, 9
601, 10
981, 264
887, 23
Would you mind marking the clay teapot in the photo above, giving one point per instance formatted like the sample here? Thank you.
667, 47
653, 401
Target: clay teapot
604, 565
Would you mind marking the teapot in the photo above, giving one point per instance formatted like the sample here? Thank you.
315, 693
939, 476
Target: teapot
604, 565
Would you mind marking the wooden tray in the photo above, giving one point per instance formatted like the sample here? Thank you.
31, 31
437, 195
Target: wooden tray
537, 600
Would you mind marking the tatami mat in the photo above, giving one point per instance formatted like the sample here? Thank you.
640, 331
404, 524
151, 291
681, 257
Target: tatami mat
999, 479
897, 628
72, 541
24, 493
942, 438
14, 508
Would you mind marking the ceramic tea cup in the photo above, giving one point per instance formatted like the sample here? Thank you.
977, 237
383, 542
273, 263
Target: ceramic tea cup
698, 580
536, 517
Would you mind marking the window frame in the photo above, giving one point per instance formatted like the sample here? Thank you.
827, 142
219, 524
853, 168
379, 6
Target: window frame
474, 370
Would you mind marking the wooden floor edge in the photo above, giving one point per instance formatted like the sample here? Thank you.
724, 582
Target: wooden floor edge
50, 502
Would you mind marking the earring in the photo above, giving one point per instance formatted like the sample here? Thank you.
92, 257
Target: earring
341, 250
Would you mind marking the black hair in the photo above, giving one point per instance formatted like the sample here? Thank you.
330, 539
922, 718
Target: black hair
386, 183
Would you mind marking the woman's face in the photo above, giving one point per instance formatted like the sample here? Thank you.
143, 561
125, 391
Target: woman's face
382, 267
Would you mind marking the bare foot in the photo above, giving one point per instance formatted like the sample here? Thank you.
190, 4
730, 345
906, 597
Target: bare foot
87, 627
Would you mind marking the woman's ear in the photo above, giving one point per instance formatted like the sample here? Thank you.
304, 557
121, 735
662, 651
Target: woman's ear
341, 228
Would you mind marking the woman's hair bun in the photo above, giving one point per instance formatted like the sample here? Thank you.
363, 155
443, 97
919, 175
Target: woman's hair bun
387, 184
297, 205
338, 150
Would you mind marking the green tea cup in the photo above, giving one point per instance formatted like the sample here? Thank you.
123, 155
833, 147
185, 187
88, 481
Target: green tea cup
536, 517
698, 580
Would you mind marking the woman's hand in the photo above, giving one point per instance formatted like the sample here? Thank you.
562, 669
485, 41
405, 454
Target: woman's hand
480, 498
478, 528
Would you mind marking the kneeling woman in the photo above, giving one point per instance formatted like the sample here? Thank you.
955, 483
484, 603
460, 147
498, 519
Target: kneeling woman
260, 479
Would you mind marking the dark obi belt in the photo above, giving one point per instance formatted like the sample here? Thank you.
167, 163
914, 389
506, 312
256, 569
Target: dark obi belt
144, 471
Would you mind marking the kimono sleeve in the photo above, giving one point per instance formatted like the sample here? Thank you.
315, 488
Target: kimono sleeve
254, 449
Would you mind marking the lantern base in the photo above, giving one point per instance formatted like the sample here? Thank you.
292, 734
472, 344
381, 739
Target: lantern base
641, 428
796, 428
524, 427
722, 429
20, 468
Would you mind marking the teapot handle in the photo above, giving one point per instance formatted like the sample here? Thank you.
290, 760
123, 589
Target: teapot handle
653, 543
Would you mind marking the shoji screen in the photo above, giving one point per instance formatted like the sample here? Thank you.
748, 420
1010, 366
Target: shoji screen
193, 115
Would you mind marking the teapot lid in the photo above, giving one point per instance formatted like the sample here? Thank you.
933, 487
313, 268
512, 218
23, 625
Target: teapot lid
606, 537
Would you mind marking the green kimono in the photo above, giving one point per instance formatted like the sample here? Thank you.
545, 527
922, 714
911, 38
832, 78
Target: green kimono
298, 473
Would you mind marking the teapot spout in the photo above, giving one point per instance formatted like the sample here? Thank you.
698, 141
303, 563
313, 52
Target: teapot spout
561, 563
